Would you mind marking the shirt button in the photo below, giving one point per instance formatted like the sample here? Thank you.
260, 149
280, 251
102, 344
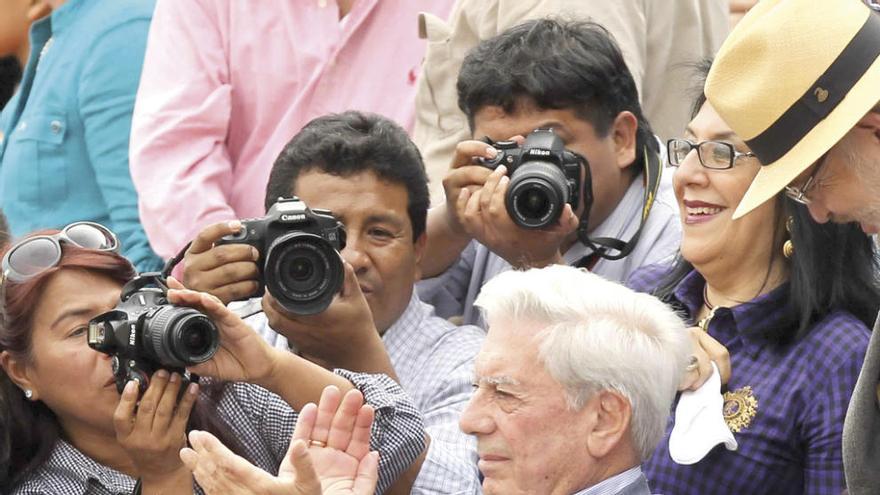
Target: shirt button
55, 126
22, 126
322, 3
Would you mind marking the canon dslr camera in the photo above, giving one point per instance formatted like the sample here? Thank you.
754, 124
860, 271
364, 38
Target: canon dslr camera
145, 333
299, 254
544, 176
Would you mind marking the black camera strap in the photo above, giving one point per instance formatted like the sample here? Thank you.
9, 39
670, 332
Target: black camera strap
611, 248
173, 261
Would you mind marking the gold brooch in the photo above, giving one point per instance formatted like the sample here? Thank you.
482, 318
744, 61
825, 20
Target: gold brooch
821, 94
740, 407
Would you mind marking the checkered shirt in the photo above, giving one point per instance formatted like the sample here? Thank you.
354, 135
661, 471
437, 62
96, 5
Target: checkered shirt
434, 361
263, 422
792, 444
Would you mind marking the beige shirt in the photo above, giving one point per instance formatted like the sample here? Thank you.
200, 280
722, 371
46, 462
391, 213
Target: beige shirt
658, 39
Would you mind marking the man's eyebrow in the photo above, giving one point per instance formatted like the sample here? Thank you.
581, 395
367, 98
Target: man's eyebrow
386, 218
496, 380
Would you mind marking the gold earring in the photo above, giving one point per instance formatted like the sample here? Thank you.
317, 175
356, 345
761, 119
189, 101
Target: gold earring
788, 246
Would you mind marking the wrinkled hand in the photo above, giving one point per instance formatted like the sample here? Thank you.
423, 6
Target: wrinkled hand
154, 429
243, 355
345, 466
338, 335
706, 350
228, 272
484, 216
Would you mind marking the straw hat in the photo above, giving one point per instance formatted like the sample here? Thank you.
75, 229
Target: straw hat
792, 79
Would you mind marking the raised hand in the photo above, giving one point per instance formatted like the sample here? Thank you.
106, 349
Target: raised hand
329, 454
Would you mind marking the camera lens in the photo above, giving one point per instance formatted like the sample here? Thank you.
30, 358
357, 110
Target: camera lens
194, 338
301, 269
179, 337
532, 203
303, 272
537, 192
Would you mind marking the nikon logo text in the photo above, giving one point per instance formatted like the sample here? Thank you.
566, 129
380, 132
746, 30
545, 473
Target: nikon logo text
539, 152
293, 218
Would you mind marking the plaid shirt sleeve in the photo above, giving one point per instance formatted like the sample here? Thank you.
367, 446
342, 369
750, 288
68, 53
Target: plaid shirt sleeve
398, 430
823, 421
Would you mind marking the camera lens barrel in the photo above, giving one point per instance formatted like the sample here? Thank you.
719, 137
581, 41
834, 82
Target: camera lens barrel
303, 272
179, 337
537, 193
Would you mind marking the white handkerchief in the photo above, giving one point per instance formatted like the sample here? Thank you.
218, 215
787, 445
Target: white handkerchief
699, 422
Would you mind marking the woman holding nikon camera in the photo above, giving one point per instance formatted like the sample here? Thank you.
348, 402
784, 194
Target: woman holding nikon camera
65, 428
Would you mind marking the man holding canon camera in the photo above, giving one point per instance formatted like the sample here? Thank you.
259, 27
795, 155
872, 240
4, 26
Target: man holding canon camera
362, 314
584, 189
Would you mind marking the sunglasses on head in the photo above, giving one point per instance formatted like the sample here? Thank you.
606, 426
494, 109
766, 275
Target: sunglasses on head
34, 255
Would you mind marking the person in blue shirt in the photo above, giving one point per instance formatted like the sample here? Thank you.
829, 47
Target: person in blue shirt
64, 154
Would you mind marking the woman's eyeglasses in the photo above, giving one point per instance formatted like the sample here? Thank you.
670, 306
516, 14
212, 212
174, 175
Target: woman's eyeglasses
34, 255
715, 155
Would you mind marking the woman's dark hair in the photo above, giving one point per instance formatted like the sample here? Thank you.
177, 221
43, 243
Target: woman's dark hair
350, 143
555, 64
29, 430
834, 266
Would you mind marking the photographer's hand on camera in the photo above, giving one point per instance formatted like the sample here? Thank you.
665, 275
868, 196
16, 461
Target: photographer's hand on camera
445, 230
342, 336
153, 430
228, 272
244, 356
484, 216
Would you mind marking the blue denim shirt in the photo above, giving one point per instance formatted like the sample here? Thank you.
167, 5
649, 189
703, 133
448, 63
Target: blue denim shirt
64, 154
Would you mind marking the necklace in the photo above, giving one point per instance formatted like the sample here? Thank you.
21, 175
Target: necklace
704, 322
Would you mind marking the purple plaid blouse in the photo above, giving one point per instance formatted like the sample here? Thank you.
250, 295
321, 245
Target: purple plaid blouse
787, 401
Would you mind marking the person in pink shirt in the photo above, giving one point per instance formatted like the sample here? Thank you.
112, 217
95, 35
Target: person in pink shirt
226, 84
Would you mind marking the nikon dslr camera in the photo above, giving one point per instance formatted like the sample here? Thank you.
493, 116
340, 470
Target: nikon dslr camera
299, 254
145, 333
544, 176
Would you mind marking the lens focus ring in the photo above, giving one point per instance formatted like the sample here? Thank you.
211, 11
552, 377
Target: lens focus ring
169, 340
537, 192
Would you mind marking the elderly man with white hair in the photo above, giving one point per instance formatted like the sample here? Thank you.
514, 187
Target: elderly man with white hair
575, 381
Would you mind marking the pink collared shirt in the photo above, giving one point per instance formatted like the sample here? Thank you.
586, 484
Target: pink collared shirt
226, 84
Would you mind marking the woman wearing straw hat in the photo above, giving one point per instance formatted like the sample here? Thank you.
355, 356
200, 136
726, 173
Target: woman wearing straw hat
788, 300
799, 80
